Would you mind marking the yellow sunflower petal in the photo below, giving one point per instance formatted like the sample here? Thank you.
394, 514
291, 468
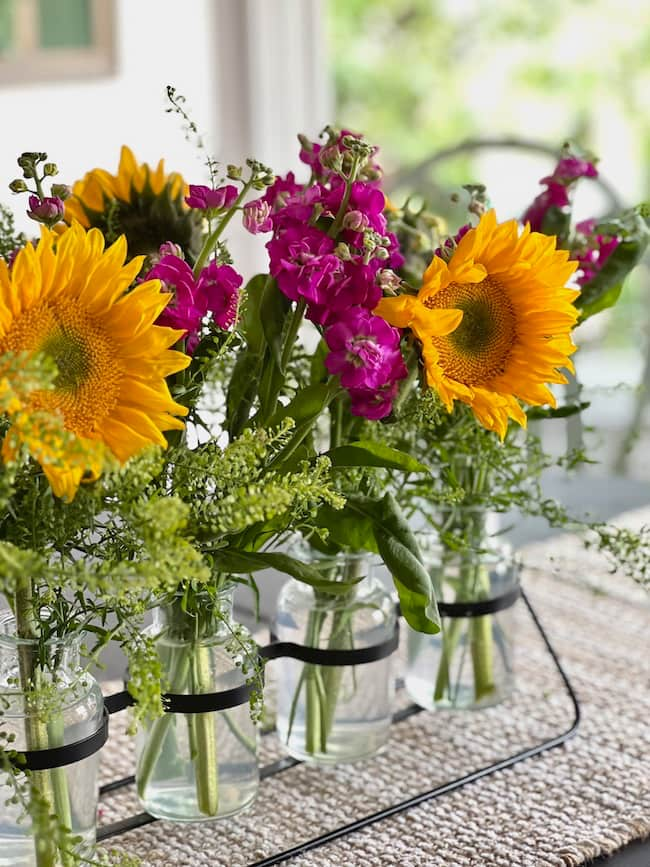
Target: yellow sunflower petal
514, 337
60, 299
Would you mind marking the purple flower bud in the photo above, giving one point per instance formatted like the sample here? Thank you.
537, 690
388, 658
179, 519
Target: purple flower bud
257, 217
356, 221
48, 210
204, 198
169, 248
389, 281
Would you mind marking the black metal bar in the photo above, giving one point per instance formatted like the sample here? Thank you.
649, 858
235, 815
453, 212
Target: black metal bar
141, 819
451, 786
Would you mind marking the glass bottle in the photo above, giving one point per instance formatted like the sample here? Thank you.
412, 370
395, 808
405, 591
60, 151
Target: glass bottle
469, 663
329, 714
61, 705
199, 766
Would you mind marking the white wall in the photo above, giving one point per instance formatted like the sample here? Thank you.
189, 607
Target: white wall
254, 74
82, 124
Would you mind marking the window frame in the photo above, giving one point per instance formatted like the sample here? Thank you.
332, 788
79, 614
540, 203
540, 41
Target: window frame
29, 62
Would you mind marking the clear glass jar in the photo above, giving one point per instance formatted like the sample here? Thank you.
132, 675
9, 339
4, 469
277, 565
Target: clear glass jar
331, 714
200, 766
62, 704
469, 663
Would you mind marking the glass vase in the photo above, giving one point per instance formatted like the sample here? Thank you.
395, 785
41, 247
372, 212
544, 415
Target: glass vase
469, 663
47, 700
194, 767
328, 713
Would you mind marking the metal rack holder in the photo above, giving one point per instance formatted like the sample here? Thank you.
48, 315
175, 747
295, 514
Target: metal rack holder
117, 702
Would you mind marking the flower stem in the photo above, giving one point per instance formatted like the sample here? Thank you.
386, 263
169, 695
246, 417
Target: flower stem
36, 734
205, 764
211, 241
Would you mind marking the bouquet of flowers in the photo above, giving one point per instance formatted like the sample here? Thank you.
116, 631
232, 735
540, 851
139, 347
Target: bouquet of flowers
509, 286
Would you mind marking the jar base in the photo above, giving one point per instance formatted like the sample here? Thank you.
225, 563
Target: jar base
421, 691
18, 851
177, 803
347, 743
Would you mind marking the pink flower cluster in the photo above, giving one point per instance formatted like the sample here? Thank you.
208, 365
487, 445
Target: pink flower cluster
215, 292
596, 250
336, 262
556, 195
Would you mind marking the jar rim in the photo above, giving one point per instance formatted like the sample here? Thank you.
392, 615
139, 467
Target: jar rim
10, 639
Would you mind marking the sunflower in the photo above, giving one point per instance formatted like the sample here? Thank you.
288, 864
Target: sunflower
515, 313
142, 203
66, 299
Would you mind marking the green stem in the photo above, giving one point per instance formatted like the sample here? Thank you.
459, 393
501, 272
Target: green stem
59, 783
292, 332
482, 656
36, 734
211, 241
178, 674
205, 764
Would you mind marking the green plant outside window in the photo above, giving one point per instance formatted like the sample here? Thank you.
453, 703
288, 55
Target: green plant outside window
65, 23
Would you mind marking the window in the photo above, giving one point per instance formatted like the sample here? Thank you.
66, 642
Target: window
44, 40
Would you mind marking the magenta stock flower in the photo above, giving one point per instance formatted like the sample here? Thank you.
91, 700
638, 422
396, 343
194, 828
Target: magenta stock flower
257, 217
365, 354
596, 251
204, 198
280, 190
219, 286
216, 291
556, 195
303, 262
48, 210
373, 405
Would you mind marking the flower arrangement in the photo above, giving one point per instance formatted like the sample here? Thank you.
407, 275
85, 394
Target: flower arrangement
168, 429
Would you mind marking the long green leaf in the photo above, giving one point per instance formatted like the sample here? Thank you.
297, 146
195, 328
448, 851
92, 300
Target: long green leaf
399, 550
228, 560
274, 307
365, 453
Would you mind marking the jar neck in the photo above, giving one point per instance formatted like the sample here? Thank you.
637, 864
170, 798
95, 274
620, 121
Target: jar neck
29, 656
194, 614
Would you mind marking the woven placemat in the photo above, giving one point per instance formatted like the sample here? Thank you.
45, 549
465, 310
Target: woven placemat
561, 809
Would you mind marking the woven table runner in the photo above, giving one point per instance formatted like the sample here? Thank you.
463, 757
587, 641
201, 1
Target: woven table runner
561, 809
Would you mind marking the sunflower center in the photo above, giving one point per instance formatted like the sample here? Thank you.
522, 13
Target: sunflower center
479, 348
87, 384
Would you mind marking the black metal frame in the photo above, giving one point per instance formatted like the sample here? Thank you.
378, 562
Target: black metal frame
141, 819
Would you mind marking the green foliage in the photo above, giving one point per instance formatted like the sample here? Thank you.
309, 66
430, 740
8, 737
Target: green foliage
10, 240
603, 291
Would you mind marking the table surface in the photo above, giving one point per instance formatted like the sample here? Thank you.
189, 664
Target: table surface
562, 809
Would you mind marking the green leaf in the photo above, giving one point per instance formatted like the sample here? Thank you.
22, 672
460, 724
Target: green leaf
605, 288
229, 560
399, 550
251, 321
374, 454
569, 409
348, 530
317, 370
305, 410
273, 310
242, 390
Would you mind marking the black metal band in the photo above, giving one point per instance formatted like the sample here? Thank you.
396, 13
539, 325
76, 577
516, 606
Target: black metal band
482, 607
57, 757
206, 702
184, 703
214, 701
326, 656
